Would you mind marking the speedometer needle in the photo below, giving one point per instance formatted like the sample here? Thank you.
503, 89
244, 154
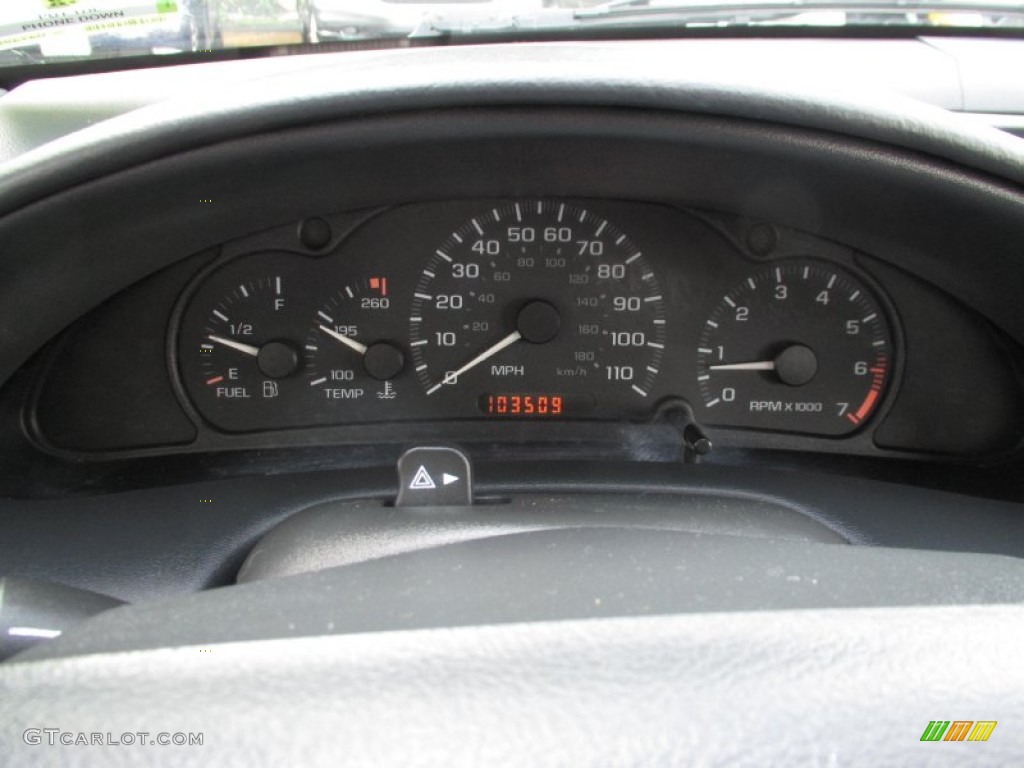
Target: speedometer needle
760, 365
508, 341
350, 343
246, 348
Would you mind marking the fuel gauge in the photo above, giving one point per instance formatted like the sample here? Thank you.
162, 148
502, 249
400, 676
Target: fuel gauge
276, 359
238, 351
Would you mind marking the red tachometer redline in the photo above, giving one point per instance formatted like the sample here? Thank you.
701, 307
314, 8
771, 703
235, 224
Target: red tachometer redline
872, 397
865, 407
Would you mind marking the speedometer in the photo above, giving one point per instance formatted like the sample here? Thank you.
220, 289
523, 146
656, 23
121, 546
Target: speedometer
538, 309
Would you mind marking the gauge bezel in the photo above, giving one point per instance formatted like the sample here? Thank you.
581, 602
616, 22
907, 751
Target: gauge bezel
765, 268
608, 437
541, 215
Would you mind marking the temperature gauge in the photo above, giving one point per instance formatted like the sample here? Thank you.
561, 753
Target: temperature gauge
349, 360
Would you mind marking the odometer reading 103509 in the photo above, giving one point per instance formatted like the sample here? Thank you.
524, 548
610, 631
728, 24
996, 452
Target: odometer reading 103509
538, 297
800, 347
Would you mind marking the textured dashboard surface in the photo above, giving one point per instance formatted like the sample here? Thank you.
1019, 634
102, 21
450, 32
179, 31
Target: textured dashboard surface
165, 541
853, 687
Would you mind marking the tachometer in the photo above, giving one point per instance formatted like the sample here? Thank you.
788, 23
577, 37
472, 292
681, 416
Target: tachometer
539, 308
799, 347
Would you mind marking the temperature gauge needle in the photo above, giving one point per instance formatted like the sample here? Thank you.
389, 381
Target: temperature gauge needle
247, 349
760, 365
508, 341
350, 343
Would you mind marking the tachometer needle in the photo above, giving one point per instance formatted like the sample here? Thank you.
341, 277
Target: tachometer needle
350, 343
248, 349
760, 365
508, 341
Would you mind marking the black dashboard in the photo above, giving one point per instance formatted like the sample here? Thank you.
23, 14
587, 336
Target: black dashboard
729, 362
536, 274
533, 320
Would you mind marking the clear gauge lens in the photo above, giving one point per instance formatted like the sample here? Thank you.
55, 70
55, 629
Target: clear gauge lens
238, 351
277, 341
798, 347
536, 303
348, 361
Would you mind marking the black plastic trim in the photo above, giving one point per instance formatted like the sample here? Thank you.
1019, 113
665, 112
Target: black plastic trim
156, 543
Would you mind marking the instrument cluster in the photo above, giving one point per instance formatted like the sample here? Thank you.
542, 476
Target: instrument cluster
532, 309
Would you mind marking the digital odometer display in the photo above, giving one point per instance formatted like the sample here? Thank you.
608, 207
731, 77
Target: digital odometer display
530, 405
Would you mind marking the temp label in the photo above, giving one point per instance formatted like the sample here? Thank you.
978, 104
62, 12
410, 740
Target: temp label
781, 406
344, 393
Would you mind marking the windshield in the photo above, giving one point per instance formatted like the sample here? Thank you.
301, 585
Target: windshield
47, 31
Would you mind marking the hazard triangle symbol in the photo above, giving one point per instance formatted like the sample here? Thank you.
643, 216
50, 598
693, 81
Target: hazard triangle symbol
422, 480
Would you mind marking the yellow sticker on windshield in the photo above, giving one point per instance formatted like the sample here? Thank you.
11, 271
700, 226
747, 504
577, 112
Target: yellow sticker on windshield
42, 22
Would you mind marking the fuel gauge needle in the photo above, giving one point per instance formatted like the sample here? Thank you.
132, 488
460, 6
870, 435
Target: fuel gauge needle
760, 365
350, 343
237, 345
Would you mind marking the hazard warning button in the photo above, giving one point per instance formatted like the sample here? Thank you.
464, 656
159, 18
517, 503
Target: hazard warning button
434, 477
